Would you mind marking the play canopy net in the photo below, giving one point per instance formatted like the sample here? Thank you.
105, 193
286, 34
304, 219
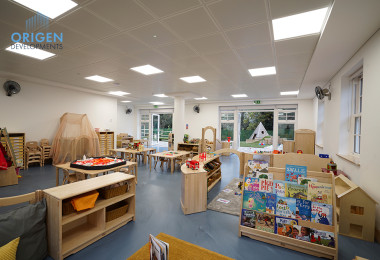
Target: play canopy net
75, 137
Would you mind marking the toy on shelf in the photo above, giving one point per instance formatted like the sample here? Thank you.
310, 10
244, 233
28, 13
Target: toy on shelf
331, 166
229, 139
185, 138
322, 155
299, 152
192, 164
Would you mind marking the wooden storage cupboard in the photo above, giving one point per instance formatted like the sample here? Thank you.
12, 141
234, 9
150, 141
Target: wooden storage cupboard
106, 142
295, 244
18, 143
305, 141
70, 233
194, 148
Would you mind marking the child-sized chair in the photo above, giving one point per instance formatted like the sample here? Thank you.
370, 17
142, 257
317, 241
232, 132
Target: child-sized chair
45, 149
33, 153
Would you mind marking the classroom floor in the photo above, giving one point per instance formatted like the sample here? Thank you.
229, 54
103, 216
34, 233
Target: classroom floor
158, 210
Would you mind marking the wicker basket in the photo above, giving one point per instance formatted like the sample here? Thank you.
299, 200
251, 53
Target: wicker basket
67, 207
116, 211
113, 192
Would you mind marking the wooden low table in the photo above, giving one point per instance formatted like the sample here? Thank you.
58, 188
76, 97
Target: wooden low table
179, 249
167, 155
124, 151
91, 173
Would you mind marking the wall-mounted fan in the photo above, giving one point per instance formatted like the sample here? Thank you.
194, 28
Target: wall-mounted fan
128, 111
321, 93
11, 87
196, 109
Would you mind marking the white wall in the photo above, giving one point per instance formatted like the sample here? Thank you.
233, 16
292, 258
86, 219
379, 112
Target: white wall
126, 123
336, 111
208, 116
36, 110
306, 115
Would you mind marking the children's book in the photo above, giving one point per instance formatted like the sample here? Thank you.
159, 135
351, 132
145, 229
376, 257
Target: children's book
284, 226
265, 175
251, 184
266, 185
265, 222
279, 188
254, 200
258, 165
321, 213
271, 201
305, 180
303, 209
292, 172
158, 249
322, 237
301, 233
248, 200
248, 218
286, 207
319, 192
294, 190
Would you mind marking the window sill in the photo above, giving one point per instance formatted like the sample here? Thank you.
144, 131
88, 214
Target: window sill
350, 158
319, 146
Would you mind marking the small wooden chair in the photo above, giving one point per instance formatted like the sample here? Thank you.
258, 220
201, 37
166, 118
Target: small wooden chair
70, 177
180, 160
33, 153
45, 149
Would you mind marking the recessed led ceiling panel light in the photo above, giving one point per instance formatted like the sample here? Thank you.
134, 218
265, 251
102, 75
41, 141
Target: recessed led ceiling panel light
262, 71
160, 95
156, 103
193, 79
99, 78
147, 70
118, 93
200, 98
299, 24
49, 8
26, 50
239, 95
126, 101
289, 93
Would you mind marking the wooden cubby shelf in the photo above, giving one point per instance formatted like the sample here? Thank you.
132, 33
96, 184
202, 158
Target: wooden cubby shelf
70, 233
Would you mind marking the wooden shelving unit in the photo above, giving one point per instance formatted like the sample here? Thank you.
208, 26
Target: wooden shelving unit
106, 142
70, 233
194, 148
18, 143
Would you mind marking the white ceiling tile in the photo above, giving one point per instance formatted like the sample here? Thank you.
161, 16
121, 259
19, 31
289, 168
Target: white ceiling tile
100, 51
257, 56
296, 45
177, 51
88, 24
166, 7
79, 57
125, 43
281, 8
154, 34
192, 24
121, 13
210, 44
293, 62
225, 57
11, 12
252, 35
235, 13
6, 31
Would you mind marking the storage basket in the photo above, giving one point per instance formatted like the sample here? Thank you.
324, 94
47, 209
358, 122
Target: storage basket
116, 211
113, 192
85, 201
67, 207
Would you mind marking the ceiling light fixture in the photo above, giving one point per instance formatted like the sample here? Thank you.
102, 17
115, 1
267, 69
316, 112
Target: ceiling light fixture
126, 101
200, 98
99, 78
239, 95
118, 93
262, 71
26, 50
147, 69
299, 24
156, 103
160, 95
49, 8
193, 79
289, 93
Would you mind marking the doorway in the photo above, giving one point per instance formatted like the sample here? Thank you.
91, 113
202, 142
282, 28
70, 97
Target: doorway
162, 125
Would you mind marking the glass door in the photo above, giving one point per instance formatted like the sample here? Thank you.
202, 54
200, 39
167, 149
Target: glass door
155, 129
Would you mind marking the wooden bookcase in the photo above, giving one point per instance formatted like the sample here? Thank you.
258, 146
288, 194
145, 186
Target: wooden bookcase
194, 148
106, 142
295, 244
197, 183
18, 143
70, 233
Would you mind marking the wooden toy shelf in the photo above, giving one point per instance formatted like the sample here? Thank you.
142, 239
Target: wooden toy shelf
106, 142
194, 148
295, 244
70, 233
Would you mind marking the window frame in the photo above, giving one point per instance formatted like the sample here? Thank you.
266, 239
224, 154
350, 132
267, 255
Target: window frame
356, 113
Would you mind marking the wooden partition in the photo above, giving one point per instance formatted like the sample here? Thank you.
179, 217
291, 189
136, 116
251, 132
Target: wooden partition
311, 161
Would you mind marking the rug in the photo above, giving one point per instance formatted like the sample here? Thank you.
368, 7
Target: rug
226, 201
179, 249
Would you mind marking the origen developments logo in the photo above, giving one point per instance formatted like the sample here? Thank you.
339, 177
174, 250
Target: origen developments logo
30, 39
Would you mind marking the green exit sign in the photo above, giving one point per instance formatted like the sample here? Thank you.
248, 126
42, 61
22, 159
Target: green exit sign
256, 102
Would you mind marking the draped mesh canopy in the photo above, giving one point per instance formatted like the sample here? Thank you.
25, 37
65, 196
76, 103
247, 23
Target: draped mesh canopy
75, 137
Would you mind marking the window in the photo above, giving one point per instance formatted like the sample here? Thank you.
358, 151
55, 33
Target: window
286, 122
227, 125
144, 126
357, 88
227, 116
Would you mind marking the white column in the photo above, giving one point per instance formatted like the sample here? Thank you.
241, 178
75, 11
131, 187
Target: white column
178, 120
275, 128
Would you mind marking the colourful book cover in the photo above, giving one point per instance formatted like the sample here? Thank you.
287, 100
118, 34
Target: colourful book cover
248, 218
265, 222
254, 200
303, 209
279, 188
284, 226
297, 191
322, 237
319, 192
271, 201
251, 184
292, 172
266, 185
286, 207
265, 175
248, 200
258, 165
321, 213
301, 233
305, 180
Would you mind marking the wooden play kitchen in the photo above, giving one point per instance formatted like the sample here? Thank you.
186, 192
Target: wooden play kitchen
167, 155
67, 234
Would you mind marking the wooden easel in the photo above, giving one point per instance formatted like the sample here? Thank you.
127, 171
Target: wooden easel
9, 176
